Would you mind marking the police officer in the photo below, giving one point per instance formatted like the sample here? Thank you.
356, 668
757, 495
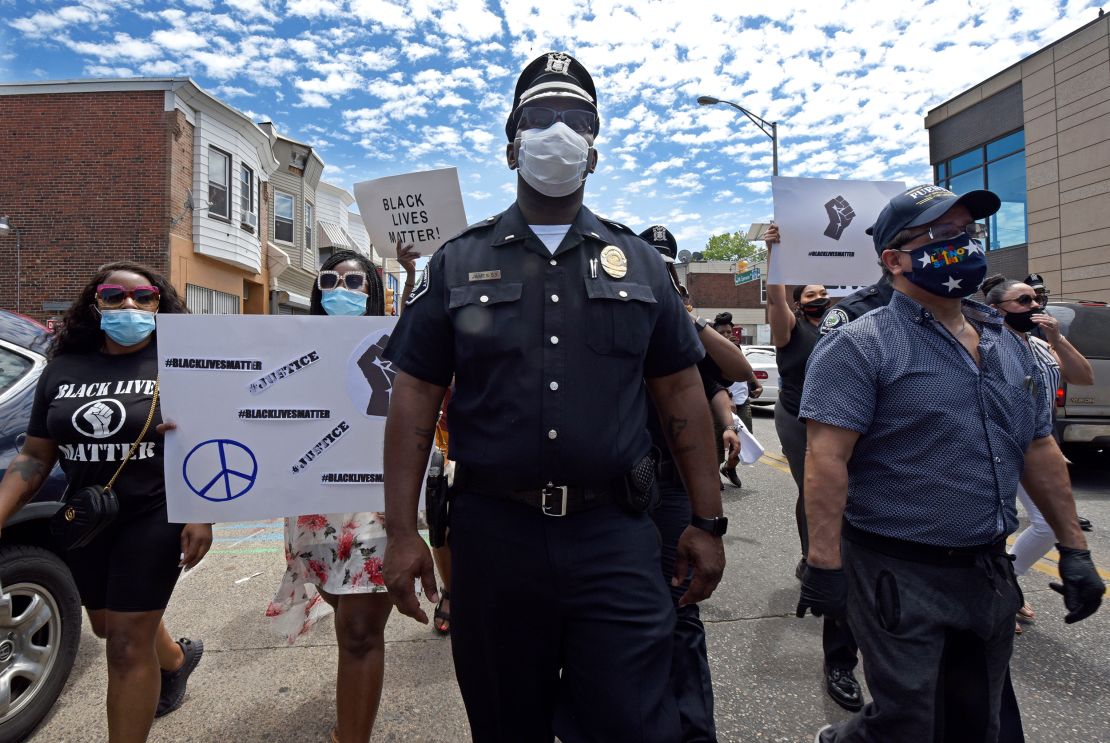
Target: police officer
858, 303
554, 323
691, 681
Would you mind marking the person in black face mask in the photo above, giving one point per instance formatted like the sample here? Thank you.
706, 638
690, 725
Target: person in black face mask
795, 329
1056, 357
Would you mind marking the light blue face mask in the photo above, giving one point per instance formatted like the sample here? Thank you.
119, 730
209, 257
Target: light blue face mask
343, 302
127, 327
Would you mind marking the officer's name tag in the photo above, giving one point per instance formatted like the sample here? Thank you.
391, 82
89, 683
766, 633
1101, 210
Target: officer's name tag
484, 275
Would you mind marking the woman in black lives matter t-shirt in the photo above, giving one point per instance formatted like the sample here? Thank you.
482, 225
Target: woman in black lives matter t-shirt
91, 404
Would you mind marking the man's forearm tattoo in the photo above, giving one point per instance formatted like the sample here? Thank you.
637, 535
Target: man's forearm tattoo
675, 427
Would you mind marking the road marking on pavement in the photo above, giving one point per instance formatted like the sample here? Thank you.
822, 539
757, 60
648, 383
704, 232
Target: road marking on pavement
776, 462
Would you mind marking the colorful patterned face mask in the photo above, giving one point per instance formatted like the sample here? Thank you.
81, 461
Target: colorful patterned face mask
948, 268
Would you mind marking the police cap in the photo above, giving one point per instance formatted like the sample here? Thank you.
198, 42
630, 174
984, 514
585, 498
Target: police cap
921, 205
663, 241
1035, 280
550, 75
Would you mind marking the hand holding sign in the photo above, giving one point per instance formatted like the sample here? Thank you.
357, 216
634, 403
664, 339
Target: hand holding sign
423, 209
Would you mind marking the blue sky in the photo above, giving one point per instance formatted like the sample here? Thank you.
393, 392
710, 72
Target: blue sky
382, 87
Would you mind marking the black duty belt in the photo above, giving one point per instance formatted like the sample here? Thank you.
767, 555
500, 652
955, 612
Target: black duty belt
551, 499
918, 552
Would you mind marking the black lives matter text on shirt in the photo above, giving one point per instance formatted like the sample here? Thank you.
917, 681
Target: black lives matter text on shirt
94, 406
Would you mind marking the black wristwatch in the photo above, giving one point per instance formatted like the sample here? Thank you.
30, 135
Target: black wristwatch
701, 322
715, 526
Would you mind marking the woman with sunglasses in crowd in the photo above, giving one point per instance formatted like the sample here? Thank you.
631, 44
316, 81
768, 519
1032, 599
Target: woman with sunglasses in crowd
336, 559
94, 400
1056, 358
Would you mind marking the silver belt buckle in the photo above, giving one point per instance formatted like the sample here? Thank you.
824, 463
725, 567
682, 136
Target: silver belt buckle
554, 490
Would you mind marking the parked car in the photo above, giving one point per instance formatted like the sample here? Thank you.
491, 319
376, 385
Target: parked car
1083, 412
40, 610
766, 368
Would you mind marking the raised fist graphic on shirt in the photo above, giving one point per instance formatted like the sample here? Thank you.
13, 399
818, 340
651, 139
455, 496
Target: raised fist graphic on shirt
99, 417
840, 214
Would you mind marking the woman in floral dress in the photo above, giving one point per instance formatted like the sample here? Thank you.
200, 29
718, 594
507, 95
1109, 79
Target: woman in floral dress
334, 561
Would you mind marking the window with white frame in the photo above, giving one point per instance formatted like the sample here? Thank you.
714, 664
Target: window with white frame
219, 183
248, 211
309, 226
763, 291
283, 217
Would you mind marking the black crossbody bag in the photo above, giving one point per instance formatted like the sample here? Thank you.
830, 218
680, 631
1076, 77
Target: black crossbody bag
87, 512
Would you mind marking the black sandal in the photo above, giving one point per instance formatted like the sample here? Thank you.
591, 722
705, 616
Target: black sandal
441, 620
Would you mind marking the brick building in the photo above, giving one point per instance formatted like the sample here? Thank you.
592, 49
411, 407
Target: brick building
713, 289
149, 170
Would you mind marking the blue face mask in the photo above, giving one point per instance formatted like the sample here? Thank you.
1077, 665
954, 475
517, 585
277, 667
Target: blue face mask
343, 302
949, 268
127, 327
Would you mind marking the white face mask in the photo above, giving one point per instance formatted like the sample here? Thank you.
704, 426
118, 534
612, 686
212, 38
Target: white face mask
553, 160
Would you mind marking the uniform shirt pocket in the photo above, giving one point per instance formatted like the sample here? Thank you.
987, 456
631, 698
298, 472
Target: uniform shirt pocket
487, 317
618, 317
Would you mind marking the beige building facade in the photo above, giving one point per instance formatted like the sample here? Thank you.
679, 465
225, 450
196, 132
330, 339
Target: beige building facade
1038, 133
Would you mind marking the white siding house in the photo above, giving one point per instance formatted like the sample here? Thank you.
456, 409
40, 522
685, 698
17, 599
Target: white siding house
232, 158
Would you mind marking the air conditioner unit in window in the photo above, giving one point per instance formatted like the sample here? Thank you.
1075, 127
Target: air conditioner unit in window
250, 220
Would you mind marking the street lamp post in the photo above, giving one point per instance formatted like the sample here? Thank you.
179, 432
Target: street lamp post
5, 227
770, 128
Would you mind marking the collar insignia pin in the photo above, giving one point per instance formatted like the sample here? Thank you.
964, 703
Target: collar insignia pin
613, 262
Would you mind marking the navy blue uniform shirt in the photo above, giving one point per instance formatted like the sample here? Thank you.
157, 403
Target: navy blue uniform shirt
549, 361
942, 441
857, 304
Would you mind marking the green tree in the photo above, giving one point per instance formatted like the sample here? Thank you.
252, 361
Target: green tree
732, 247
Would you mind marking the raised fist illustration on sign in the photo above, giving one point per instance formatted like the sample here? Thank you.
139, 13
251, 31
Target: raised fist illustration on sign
379, 374
840, 214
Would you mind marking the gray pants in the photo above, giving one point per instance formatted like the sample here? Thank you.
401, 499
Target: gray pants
937, 640
792, 438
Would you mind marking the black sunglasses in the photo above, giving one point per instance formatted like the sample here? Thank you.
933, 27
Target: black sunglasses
1024, 300
540, 117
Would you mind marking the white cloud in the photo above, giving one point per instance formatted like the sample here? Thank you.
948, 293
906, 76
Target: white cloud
47, 23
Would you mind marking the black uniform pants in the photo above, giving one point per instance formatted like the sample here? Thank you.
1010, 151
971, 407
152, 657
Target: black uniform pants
691, 682
837, 643
937, 639
560, 625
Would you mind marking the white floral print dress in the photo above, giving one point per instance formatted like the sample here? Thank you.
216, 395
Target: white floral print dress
339, 553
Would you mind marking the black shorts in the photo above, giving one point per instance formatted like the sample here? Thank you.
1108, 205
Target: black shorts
132, 564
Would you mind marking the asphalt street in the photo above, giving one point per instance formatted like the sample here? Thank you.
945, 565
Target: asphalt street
766, 663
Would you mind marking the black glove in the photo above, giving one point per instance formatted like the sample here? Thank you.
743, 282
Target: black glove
824, 592
1082, 588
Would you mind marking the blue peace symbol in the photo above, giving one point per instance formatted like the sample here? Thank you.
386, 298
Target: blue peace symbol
223, 483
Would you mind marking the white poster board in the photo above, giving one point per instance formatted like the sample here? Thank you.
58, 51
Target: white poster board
821, 223
424, 209
276, 415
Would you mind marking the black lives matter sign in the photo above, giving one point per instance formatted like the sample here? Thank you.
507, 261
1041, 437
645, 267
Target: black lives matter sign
423, 209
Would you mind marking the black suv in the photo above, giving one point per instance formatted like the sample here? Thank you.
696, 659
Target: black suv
40, 611
1083, 412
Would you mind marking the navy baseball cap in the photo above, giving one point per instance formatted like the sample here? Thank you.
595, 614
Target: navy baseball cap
662, 240
1035, 280
553, 74
921, 205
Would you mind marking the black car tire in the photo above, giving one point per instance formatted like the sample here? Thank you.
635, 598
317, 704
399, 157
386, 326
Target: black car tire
1087, 455
41, 592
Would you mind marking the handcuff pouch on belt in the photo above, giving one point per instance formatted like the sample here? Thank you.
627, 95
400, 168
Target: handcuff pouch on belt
436, 500
640, 493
